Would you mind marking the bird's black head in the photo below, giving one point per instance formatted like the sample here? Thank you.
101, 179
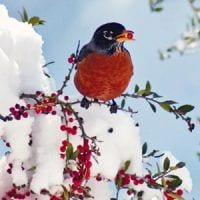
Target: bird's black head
108, 36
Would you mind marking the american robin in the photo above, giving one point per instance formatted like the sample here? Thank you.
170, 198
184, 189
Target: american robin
104, 66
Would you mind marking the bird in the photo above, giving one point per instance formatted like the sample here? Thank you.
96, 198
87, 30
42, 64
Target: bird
104, 65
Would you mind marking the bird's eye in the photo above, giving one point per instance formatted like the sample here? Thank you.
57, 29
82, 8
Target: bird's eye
108, 35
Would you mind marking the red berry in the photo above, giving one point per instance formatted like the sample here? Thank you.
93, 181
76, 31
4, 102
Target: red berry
121, 172
28, 106
98, 177
75, 127
9, 171
80, 190
17, 117
63, 127
69, 130
65, 143
25, 114
70, 60
12, 109
152, 181
141, 181
53, 95
53, 112
49, 108
62, 155
69, 112
66, 98
8, 144
10, 165
136, 182
38, 93
63, 148
148, 176
133, 177
76, 182
129, 192
88, 164
179, 192
71, 119
17, 106
37, 110
73, 131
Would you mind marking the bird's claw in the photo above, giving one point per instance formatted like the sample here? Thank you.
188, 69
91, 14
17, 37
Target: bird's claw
113, 107
85, 103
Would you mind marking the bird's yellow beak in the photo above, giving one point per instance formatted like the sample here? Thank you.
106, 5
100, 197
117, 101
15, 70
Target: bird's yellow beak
125, 35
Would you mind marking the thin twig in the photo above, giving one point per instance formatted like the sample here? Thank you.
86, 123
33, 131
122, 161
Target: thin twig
67, 78
49, 63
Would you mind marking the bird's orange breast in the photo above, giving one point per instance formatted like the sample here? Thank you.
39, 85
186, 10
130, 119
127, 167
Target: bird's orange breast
103, 77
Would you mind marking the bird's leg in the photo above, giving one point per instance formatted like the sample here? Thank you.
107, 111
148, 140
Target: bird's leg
113, 107
85, 103
96, 100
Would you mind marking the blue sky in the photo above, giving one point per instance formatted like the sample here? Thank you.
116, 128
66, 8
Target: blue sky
177, 79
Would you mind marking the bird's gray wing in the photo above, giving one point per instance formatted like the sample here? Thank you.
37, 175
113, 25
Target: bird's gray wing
85, 50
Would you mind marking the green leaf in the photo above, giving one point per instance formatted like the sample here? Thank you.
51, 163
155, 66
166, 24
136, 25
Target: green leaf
144, 148
148, 88
127, 164
75, 154
171, 176
155, 95
141, 92
25, 15
180, 165
146, 91
65, 193
175, 196
153, 107
69, 151
41, 22
33, 168
161, 55
158, 9
34, 20
185, 109
175, 183
165, 106
118, 182
170, 102
136, 88
166, 164
123, 103
170, 49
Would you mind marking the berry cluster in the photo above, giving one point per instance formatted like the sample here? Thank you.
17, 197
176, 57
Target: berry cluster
68, 129
123, 179
17, 192
9, 170
45, 105
18, 112
63, 148
82, 173
172, 191
71, 59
